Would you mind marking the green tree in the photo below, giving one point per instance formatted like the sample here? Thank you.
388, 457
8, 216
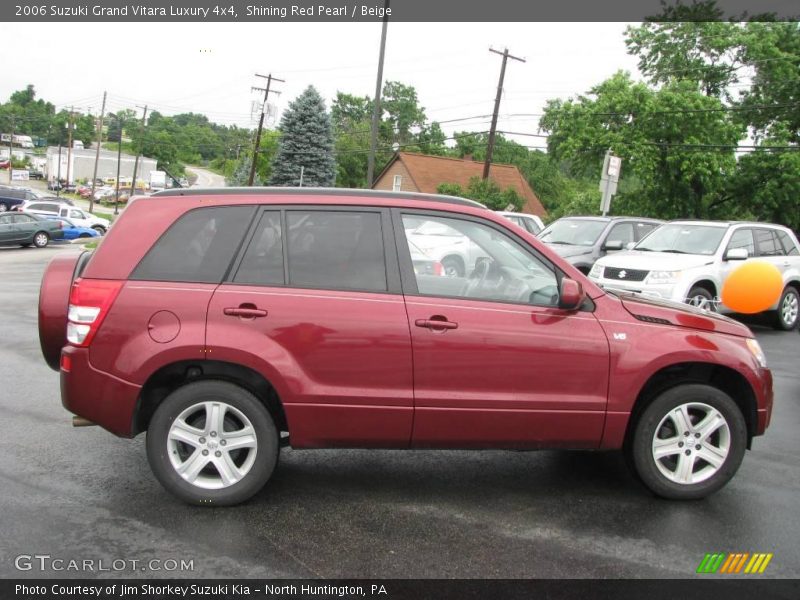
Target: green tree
306, 143
485, 191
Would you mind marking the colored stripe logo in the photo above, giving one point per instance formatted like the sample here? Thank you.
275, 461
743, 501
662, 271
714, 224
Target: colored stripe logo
735, 563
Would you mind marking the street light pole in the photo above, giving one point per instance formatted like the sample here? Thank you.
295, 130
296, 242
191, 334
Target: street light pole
119, 160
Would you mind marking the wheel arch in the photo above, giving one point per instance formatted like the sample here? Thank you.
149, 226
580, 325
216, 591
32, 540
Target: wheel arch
174, 375
708, 284
721, 377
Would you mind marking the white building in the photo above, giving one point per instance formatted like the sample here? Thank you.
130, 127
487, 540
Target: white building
81, 165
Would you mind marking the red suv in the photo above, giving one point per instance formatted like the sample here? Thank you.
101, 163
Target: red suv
229, 323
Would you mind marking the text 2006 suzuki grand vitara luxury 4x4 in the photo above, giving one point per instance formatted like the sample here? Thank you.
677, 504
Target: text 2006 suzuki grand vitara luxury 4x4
226, 323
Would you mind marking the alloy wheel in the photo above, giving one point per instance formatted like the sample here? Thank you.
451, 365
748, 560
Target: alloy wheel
691, 443
212, 445
789, 309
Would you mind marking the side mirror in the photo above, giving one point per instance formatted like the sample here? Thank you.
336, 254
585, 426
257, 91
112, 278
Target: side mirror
613, 245
571, 294
737, 254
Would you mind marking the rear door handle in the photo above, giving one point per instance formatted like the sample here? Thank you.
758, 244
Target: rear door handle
246, 312
435, 324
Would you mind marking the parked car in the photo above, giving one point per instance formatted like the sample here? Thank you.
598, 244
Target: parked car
688, 261
226, 324
5, 164
532, 223
73, 231
17, 229
11, 198
582, 240
76, 215
455, 251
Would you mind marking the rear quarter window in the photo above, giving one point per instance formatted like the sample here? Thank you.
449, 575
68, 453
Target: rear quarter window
198, 247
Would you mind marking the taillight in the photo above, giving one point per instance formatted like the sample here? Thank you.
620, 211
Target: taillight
89, 302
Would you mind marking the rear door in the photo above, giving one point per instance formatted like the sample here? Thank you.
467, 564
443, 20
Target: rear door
496, 362
314, 304
6, 228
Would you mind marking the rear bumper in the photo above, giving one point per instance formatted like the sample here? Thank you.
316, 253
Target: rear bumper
102, 398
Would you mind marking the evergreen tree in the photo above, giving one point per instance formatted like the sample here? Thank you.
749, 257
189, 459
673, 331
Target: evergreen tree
307, 142
241, 175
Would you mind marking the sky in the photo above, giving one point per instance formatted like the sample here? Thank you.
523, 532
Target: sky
209, 68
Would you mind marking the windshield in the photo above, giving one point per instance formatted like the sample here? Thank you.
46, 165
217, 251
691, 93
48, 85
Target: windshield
576, 232
683, 239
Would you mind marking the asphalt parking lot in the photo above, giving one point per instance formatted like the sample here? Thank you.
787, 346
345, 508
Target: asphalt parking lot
84, 494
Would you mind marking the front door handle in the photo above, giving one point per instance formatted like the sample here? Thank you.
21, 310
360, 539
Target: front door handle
245, 311
436, 323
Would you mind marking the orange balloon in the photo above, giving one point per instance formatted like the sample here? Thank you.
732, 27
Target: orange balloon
753, 287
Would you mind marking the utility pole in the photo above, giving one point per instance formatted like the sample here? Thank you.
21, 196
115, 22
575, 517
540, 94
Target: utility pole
493, 130
119, 160
139, 151
269, 79
69, 141
98, 141
376, 109
11, 148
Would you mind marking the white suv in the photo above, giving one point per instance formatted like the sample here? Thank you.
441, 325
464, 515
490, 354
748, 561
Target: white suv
80, 217
688, 261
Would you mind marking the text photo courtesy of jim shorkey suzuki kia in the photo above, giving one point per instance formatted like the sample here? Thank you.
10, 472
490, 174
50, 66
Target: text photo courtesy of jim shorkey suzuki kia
413, 300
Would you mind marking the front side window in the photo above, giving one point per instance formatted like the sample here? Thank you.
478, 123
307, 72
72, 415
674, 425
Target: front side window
339, 250
621, 232
642, 229
198, 247
477, 262
22, 219
574, 232
76, 214
680, 238
743, 238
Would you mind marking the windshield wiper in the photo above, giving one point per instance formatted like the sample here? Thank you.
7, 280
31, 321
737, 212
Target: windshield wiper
557, 242
674, 251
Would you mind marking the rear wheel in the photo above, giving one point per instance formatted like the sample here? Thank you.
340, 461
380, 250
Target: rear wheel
212, 443
786, 316
701, 298
689, 442
41, 239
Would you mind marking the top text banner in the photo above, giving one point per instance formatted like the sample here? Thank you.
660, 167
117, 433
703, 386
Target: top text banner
350, 11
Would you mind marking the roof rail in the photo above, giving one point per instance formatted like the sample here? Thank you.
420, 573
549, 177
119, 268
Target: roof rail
311, 191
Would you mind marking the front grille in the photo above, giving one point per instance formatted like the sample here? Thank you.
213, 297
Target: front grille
624, 274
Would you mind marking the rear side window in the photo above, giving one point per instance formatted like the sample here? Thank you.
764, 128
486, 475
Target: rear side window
262, 263
787, 243
622, 232
198, 247
341, 250
768, 244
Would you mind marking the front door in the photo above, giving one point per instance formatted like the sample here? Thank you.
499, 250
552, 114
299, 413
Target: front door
314, 305
496, 362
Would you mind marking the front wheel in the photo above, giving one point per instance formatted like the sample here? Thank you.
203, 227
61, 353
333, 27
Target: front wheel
41, 239
689, 442
212, 443
100, 229
788, 309
701, 298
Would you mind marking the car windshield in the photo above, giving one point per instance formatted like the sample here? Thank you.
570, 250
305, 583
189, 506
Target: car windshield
575, 232
683, 239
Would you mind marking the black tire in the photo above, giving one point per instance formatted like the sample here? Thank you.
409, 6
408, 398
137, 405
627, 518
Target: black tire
41, 239
701, 292
84, 236
788, 304
183, 399
453, 266
641, 448
100, 229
